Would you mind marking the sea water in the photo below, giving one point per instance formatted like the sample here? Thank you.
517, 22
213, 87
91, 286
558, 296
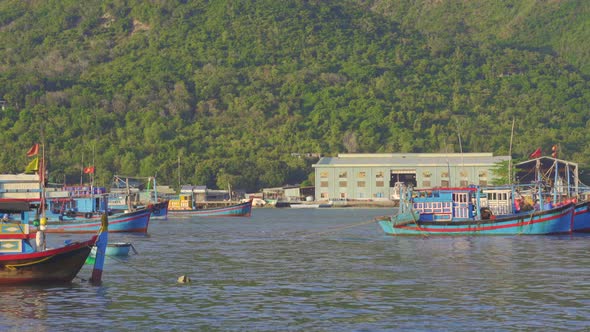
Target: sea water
315, 270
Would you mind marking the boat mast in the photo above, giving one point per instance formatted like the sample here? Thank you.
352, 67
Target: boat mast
94, 207
510, 153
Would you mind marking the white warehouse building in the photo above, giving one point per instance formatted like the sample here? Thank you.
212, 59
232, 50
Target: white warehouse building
374, 176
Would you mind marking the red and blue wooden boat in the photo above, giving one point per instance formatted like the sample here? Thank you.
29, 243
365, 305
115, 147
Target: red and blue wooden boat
130, 222
236, 210
459, 211
22, 262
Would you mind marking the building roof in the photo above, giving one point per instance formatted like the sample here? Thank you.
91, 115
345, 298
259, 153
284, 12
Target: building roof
410, 159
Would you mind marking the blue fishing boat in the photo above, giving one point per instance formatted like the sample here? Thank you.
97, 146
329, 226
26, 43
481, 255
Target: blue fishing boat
131, 193
129, 222
77, 203
471, 211
561, 177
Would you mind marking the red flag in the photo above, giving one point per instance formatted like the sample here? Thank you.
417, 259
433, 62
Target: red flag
535, 154
34, 150
89, 170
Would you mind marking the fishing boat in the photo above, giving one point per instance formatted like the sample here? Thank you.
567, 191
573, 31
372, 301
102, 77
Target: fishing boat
561, 177
71, 203
471, 211
23, 261
236, 210
130, 193
129, 222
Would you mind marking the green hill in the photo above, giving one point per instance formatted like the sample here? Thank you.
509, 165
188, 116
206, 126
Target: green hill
229, 92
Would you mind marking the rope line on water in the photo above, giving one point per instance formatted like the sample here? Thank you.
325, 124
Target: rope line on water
137, 269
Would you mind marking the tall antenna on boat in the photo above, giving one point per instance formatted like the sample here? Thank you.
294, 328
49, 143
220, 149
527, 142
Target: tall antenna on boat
462, 160
510, 153
448, 163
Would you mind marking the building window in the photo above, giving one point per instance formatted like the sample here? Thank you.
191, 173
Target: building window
342, 184
324, 195
379, 175
362, 175
343, 174
483, 183
324, 184
464, 183
342, 195
444, 183
324, 174
360, 184
425, 184
379, 184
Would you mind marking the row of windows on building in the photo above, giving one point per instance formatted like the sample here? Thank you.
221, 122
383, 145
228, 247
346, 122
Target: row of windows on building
380, 174
380, 181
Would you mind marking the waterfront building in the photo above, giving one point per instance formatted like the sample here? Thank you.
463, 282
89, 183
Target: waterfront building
374, 176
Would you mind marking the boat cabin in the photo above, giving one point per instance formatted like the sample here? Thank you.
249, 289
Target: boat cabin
499, 201
445, 204
14, 227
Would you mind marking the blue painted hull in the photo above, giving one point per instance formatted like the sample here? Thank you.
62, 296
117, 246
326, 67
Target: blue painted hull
555, 221
238, 210
582, 217
132, 222
160, 210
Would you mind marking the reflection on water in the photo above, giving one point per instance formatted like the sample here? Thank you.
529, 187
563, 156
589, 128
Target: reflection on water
282, 270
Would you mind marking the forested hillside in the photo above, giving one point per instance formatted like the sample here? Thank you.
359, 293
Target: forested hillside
225, 92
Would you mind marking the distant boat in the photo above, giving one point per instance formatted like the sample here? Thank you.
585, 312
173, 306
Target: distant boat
130, 222
236, 210
309, 205
21, 262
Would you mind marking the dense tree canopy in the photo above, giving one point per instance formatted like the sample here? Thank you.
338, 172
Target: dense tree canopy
228, 92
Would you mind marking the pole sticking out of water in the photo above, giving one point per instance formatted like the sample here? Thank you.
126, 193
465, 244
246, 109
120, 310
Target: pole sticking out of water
101, 248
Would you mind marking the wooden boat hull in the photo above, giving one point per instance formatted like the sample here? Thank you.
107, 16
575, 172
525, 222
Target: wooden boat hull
131, 222
59, 265
582, 217
237, 210
555, 221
